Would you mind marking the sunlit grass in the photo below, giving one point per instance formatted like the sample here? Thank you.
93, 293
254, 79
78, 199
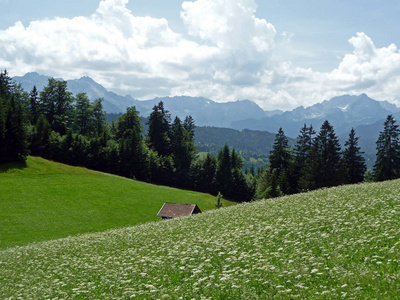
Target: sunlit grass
43, 200
334, 243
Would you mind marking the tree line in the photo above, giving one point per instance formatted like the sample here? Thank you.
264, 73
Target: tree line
71, 129
317, 161
56, 125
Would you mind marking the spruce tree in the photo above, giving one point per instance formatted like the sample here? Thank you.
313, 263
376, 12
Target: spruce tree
129, 136
34, 105
83, 114
224, 176
158, 137
3, 146
354, 162
207, 173
15, 134
99, 117
302, 151
280, 156
387, 165
323, 168
56, 102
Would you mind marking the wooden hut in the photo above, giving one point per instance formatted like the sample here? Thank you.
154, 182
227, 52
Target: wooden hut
176, 210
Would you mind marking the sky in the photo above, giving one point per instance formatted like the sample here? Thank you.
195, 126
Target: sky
278, 53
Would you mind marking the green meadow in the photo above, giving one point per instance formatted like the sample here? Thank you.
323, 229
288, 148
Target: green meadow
43, 200
337, 243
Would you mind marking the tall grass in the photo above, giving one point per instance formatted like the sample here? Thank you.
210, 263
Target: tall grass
334, 243
43, 200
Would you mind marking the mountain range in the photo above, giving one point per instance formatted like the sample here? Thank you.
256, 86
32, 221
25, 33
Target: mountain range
204, 111
361, 112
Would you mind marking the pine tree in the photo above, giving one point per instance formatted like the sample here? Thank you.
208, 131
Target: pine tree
15, 134
302, 150
129, 136
387, 165
158, 136
56, 105
303, 146
280, 156
34, 105
328, 149
3, 146
41, 139
99, 116
322, 168
13, 141
354, 162
206, 174
224, 175
83, 114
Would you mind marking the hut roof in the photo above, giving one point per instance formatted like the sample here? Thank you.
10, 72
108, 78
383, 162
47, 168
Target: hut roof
175, 210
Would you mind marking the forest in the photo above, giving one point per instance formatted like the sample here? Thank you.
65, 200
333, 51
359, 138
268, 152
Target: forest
58, 126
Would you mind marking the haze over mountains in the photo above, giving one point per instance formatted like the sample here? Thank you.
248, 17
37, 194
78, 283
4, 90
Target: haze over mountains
343, 112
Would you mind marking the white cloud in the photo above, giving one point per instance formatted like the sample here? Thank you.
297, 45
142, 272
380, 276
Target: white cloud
225, 56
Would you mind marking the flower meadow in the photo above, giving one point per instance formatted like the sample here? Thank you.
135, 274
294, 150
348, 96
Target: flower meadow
332, 243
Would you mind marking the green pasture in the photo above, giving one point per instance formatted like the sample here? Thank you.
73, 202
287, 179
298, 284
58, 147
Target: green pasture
43, 200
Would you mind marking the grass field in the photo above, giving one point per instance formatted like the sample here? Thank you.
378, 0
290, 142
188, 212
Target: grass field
43, 200
334, 243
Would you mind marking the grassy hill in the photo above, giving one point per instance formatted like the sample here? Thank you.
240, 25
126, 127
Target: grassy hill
333, 243
43, 200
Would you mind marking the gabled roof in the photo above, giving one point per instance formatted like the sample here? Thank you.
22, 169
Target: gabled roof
175, 210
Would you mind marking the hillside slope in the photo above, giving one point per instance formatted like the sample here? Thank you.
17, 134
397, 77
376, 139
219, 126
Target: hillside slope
333, 243
45, 200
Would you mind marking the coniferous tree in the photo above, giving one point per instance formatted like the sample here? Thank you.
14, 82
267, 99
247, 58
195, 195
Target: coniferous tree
354, 162
129, 136
280, 156
34, 105
99, 116
387, 165
183, 150
158, 136
41, 138
303, 146
13, 140
47, 100
206, 174
2, 131
301, 154
323, 168
56, 102
83, 114
15, 134
224, 176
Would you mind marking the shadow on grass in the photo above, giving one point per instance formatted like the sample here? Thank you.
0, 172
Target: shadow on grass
11, 167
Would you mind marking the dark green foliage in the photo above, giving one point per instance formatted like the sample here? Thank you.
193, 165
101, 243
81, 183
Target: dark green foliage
40, 140
34, 105
280, 156
387, 165
224, 175
15, 135
323, 166
206, 172
99, 117
2, 130
83, 114
56, 105
13, 138
129, 136
183, 150
354, 162
158, 136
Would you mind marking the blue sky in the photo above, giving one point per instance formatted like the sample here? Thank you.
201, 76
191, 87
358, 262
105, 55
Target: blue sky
278, 53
